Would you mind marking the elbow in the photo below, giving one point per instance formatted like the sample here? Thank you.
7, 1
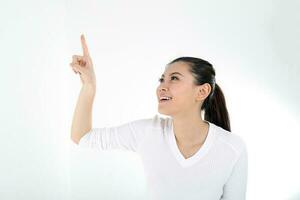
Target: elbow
75, 139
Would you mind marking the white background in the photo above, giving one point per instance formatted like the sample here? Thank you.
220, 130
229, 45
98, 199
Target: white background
253, 45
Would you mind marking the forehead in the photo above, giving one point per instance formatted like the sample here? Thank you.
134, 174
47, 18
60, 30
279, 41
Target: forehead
179, 66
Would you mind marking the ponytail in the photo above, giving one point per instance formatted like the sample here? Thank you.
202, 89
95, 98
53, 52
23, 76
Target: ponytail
216, 110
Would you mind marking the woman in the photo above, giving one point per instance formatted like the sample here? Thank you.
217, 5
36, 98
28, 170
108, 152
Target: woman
184, 156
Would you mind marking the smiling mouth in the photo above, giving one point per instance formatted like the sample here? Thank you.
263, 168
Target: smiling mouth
165, 100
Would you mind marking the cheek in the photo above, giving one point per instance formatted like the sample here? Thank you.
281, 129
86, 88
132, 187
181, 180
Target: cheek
184, 96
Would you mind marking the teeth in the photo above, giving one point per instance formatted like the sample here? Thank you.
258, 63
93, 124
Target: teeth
167, 98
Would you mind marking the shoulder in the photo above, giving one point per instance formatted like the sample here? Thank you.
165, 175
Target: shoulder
230, 140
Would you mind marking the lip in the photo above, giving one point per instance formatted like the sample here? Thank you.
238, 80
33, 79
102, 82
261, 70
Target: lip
164, 101
164, 95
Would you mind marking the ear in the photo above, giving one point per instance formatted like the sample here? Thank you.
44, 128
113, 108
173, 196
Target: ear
203, 91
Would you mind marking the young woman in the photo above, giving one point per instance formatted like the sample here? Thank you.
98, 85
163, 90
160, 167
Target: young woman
184, 155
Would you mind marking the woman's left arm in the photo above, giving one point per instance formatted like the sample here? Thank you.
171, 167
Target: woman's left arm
236, 186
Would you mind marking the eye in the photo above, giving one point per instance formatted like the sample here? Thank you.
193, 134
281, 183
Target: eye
174, 77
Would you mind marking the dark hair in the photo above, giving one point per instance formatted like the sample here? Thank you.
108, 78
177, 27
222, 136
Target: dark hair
214, 105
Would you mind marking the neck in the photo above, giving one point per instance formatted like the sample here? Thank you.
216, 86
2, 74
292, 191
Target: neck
190, 129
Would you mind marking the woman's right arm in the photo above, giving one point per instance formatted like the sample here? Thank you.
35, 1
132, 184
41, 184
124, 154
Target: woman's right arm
82, 118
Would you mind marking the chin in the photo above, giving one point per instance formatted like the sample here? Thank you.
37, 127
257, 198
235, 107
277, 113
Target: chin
164, 112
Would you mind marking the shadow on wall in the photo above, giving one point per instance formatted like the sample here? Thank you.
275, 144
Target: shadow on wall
295, 197
285, 45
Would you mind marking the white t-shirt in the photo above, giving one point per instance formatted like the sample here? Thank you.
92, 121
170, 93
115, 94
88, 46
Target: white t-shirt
218, 170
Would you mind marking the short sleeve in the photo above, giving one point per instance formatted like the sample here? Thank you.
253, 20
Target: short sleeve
126, 136
236, 185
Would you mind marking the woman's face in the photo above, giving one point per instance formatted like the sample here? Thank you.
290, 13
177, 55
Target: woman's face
177, 83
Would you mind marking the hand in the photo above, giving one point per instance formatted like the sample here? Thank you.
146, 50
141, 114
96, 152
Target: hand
84, 65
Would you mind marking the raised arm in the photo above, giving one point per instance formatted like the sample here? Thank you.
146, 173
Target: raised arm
82, 118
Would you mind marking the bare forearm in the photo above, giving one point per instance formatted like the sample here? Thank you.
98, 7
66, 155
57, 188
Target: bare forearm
82, 118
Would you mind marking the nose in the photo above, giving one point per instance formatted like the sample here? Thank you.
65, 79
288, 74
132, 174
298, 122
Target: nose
161, 88
164, 89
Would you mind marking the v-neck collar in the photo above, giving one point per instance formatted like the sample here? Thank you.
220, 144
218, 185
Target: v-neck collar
186, 162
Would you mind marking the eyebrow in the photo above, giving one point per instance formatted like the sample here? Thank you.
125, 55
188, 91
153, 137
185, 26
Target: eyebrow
172, 74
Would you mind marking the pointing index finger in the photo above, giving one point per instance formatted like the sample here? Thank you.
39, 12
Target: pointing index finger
84, 46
